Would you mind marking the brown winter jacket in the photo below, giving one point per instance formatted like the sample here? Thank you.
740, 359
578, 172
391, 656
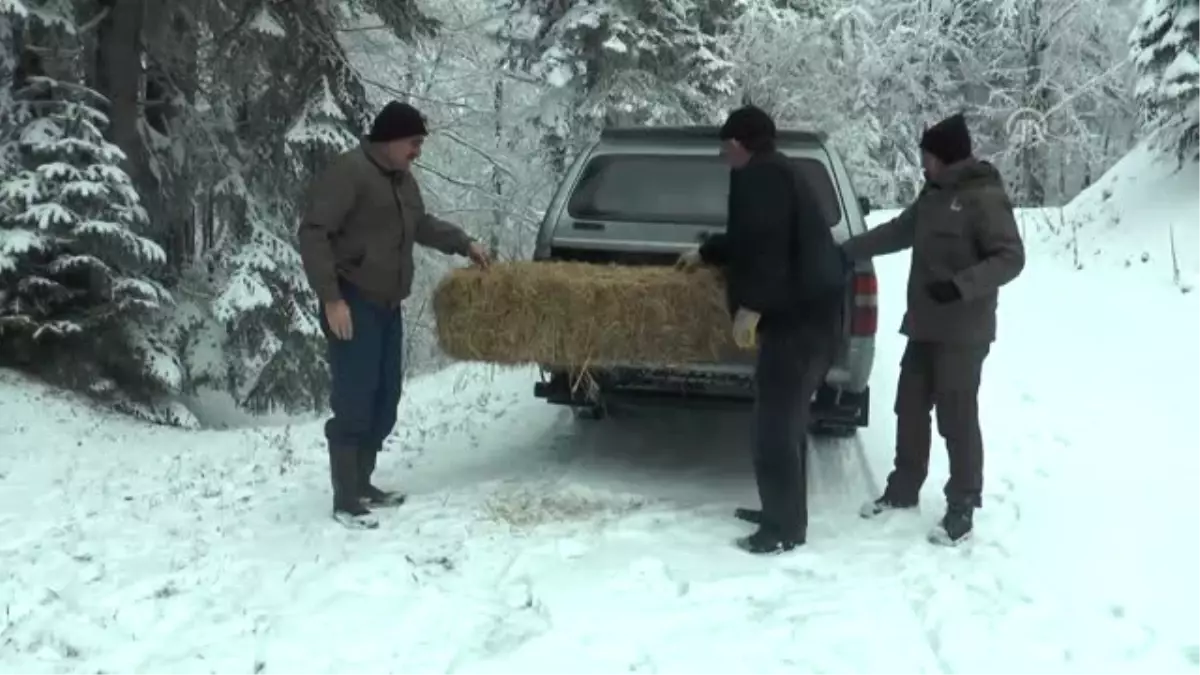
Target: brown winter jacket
360, 224
960, 228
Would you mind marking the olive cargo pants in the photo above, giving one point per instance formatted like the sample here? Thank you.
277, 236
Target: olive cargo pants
945, 377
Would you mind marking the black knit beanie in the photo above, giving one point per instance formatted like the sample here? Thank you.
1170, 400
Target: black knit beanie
948, 140
751, 126
397, 120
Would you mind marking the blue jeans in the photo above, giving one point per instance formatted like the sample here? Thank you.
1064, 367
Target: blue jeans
367, 373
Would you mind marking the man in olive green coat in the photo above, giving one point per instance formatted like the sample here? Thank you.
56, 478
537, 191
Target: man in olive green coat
364, 214
965, 246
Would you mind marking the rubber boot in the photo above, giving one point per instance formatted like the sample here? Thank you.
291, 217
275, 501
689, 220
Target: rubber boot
348, 509
367, 492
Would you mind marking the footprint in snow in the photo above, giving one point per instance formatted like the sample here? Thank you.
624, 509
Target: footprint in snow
655, 574
526, 619
572, 549
1192, 654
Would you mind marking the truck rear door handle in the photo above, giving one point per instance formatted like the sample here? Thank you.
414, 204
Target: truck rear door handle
583, 225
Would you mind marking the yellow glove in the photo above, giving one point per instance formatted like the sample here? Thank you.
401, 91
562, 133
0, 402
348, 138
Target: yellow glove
745, 328
689, 261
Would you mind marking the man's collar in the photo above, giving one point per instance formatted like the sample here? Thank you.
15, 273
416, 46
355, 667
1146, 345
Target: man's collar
375, 153
757, 158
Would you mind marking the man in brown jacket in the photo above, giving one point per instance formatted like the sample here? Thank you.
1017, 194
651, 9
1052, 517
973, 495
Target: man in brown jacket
965, 246
363, 216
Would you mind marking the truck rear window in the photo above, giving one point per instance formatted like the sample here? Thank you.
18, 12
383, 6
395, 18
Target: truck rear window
675, 189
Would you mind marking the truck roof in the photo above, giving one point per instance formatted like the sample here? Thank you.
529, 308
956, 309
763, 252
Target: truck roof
698, 135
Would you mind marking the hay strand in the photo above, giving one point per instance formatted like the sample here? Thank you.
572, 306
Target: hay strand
582, 315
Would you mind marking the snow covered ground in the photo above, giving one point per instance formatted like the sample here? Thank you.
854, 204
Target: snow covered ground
537, 543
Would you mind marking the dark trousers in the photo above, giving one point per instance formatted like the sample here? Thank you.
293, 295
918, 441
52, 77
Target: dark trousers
367, 374
792, 363
945, 377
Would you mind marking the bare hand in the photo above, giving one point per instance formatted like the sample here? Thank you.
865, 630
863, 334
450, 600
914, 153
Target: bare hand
479, 255
337, 313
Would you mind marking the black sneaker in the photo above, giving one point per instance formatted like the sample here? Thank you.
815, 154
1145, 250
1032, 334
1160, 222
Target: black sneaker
752, 516
886, 503
955, 527
768, 541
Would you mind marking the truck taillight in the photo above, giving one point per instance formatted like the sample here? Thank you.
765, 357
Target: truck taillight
864, 319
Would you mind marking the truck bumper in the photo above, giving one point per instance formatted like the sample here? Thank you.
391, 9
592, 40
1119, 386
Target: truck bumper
831, 407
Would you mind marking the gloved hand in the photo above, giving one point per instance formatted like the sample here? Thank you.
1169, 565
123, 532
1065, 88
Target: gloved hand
944, 292
745, 328
690, 260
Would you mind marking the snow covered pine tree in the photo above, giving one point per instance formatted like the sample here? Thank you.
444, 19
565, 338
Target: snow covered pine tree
75, 273
619, 62
1164, 47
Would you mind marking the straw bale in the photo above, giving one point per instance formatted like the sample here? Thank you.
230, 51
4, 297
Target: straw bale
582, 315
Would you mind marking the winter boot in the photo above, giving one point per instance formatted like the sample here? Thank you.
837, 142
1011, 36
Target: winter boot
347, 508
368, 493
956, 526
768, 540
887, 502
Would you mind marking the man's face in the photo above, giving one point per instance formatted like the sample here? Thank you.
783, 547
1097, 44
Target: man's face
932, 165
402, 152
734, 153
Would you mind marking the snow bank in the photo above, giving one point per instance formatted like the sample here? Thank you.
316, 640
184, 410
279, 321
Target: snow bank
1142, 215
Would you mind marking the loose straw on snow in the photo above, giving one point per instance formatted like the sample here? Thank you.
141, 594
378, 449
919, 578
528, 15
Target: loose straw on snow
579, 314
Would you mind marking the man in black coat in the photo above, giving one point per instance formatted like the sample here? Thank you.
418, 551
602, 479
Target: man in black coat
786, 285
